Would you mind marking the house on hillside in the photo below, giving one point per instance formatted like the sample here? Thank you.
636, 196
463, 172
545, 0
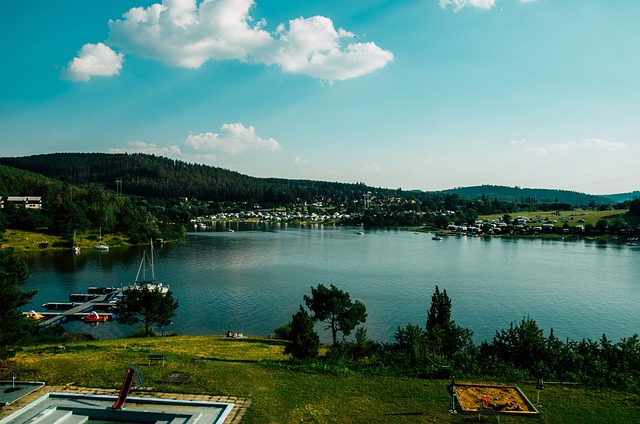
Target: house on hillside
30, 202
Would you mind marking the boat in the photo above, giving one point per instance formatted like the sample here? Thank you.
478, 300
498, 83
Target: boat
101, 246
437, 237
76, 248
34, 315
360, 233
95, 317
147, 261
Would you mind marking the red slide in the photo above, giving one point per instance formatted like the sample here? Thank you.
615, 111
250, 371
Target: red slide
124, 391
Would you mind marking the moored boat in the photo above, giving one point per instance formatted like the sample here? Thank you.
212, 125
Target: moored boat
147, 261
95, 317
34, 315
101, 246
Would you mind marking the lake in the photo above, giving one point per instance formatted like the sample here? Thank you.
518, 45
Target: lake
254, 279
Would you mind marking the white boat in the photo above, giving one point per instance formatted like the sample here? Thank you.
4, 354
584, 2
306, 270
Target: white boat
147, 261
437, 237
101, 246
76, 248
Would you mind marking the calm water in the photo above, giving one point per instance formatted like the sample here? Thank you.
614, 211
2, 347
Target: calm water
253, 281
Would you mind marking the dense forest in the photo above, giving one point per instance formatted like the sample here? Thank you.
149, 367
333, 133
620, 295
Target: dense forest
154, 176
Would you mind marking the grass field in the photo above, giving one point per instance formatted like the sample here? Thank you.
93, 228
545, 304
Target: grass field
282, 393
573, 216
30, 240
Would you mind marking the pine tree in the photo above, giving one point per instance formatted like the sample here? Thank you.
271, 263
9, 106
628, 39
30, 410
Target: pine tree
335, 307
440, 311
304, 339
13, 325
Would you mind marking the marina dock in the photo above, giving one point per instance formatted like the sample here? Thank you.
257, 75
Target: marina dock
80, 305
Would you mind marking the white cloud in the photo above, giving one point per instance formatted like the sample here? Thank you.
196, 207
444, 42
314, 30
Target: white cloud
374, 167
598, 143
301, 161
232, 139
591, 143
312, 47
93, 60
458, 5
583, 145
536, 150
148, 148
188, 34
564, 146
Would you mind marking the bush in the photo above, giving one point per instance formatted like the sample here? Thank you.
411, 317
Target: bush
305, 342
283, 332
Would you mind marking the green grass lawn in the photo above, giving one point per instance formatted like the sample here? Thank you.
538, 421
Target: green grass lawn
574, 216
31, 240
256, 368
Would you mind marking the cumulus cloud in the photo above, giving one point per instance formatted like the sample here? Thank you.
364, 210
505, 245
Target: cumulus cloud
458, 5
301, 161
232, 139
187, 34
93, 60
312, 47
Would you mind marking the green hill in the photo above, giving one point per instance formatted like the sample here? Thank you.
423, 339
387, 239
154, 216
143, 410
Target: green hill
154, 176
529, 195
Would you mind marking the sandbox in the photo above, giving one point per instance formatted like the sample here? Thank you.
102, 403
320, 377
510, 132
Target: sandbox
486, 398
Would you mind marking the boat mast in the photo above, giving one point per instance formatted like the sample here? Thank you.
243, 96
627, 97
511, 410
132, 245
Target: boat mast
153, 272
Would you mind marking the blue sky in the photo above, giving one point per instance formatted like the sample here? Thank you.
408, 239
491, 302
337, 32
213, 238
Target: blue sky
411, 94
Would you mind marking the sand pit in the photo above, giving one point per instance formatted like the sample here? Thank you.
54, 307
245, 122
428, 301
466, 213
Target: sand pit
493, 398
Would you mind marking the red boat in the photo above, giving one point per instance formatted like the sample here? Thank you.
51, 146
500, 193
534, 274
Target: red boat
95, 317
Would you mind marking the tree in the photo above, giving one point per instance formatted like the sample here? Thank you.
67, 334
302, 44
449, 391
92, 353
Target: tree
13, 325
304, 339
148, 305
522, 345
445, 337
440, 311
411, 340
334, 306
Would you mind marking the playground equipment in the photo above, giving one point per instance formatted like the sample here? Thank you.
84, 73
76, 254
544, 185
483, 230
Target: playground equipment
126, 385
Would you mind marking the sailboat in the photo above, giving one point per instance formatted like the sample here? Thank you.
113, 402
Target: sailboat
76, 248
147, 261
101, 246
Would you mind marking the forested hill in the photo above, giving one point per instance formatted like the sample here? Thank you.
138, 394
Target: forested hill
159, 177
154, 176
528, 195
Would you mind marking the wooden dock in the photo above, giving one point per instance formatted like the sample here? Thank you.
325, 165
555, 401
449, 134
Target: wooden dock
78, 310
